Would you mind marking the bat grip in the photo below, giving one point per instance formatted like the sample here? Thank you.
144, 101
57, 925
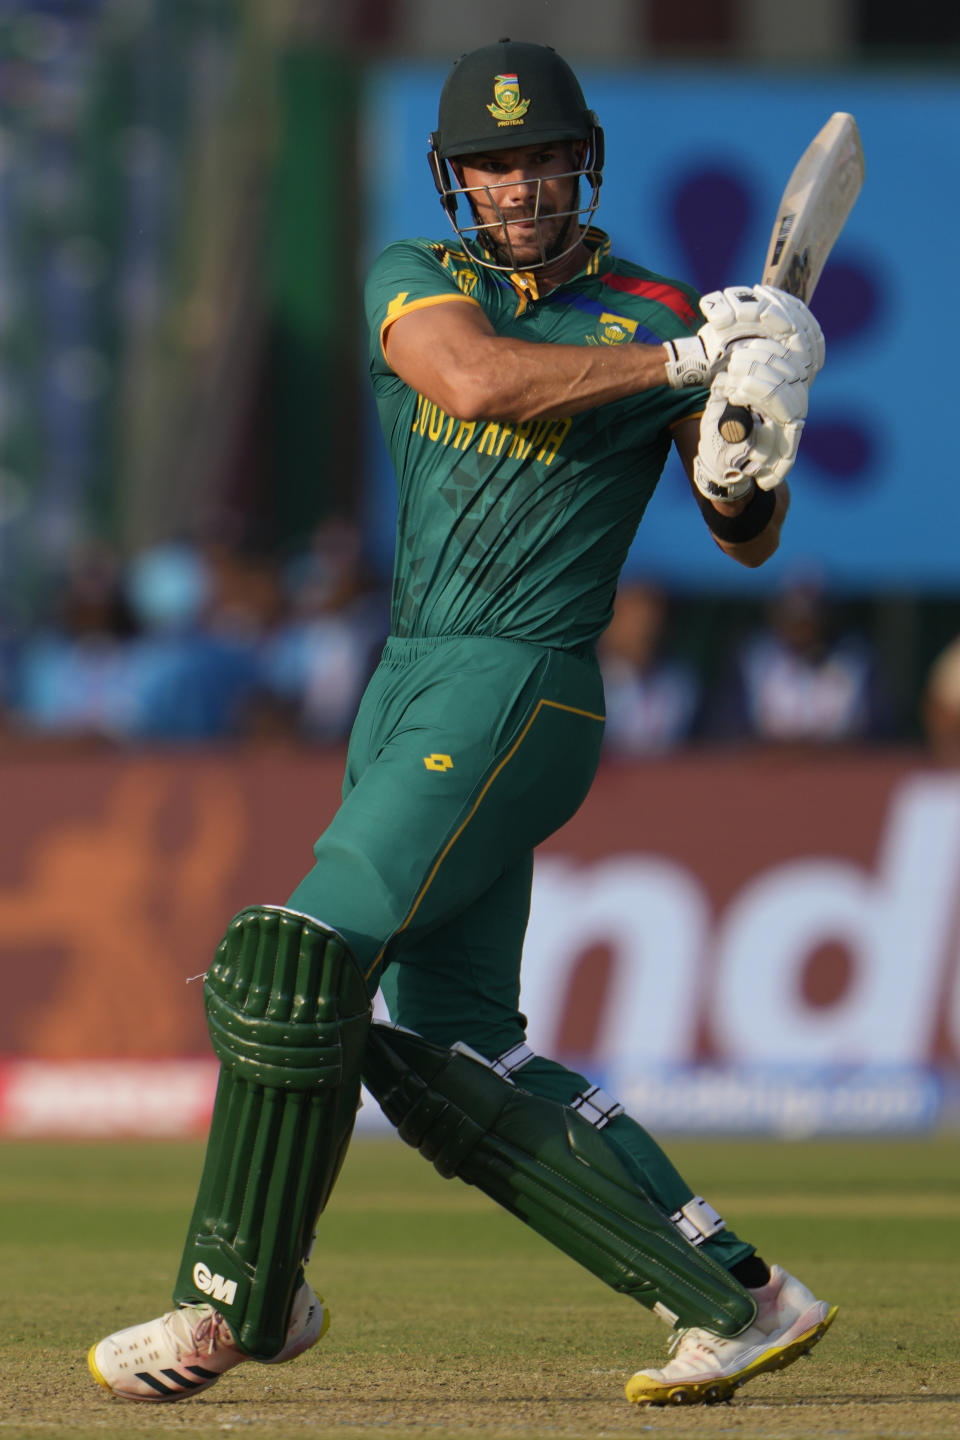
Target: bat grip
735, 423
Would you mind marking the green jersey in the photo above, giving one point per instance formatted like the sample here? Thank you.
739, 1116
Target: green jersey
520, 530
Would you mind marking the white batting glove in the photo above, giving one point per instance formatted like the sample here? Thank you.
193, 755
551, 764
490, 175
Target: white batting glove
744, 312
766, 379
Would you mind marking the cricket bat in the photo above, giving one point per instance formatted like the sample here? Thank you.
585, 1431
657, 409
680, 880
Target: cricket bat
813, 209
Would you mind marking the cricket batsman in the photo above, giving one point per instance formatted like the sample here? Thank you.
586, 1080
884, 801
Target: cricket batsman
530, 385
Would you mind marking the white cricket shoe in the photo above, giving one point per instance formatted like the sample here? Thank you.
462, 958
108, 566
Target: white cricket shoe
708, 1367
187, 1350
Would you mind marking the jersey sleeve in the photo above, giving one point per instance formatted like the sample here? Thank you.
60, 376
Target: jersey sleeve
689, 406
412, 275
660, 309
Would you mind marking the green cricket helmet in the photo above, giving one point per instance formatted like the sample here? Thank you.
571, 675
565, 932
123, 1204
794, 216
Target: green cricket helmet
504, 96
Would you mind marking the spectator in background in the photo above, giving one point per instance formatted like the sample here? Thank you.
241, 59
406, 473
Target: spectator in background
940, 705
318, 659
196, 643
800, 680
195, 663
72, 677
653, 698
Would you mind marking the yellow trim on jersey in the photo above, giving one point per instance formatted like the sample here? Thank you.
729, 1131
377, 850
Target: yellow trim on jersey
400, 305
599, 242
550, 704
694, 415
525, 284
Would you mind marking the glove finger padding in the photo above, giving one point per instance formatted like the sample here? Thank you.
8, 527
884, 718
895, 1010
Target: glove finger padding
805, 326
741, 316
797, 345
724, 470
744, 312
765, 377
773, 451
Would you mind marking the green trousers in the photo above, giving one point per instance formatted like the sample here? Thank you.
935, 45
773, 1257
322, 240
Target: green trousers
466, 753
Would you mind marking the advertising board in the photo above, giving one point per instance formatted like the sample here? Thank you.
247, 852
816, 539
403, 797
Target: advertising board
696, 162
728, 942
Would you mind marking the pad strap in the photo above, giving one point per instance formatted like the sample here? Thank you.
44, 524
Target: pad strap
593, 1104
596, 1106
697, 1221
506, 1064
547, 1165
512, 1060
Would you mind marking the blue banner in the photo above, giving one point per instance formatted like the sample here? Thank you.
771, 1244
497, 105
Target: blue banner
696, 163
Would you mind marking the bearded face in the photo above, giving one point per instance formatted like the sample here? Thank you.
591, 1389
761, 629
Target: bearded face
525, 202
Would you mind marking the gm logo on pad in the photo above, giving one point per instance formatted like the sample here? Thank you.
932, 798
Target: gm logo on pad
219, 1289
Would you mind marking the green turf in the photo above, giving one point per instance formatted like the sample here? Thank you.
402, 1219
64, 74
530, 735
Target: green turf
452, 1319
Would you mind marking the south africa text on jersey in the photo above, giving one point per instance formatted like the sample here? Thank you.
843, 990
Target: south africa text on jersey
536, 439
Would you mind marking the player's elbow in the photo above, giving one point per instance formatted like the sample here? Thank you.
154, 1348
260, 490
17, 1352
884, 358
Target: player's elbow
469, 398
476, 398
754, 553
476, 382
488, 384
751, 561
508, 398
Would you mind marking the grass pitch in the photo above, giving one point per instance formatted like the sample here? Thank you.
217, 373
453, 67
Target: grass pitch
451, 1319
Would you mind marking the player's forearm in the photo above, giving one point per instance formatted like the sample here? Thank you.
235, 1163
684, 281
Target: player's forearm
517, 380
752, 553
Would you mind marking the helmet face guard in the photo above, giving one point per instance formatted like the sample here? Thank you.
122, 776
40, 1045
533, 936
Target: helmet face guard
493, 233
506, 96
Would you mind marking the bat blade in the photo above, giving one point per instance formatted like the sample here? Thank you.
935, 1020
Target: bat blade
813, 209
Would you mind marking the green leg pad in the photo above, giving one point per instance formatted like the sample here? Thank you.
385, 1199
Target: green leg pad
289, 1015
554, 1170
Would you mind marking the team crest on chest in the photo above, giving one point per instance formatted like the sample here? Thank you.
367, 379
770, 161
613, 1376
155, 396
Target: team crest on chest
613, 330
507, 106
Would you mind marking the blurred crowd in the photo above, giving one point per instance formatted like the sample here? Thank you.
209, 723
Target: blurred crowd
801, 675
193, 642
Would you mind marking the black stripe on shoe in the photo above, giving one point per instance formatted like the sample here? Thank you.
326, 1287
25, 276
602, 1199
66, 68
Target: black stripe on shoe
179, 1378
158, 1385
199, 1370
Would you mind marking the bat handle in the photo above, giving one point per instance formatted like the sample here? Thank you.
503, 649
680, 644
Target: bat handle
735, 423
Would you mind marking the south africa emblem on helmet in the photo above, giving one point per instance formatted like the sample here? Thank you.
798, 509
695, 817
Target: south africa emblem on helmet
507, 106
